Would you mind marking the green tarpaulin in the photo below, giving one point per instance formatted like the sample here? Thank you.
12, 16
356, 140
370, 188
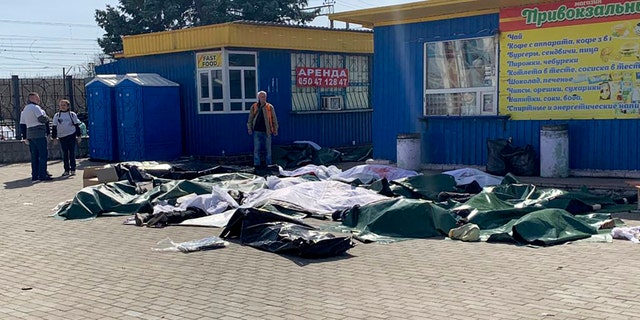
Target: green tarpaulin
120, 198
398, 218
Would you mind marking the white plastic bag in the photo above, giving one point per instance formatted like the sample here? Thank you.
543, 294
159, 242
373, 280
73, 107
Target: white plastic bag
629, 233
209, 243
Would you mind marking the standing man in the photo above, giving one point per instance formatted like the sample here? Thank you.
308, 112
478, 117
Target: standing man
34, 126
262, 124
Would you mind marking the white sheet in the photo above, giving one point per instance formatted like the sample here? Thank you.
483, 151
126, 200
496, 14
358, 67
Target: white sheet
467, 175
321, 197
368, 173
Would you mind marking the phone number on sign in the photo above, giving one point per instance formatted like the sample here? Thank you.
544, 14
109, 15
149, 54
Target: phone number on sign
322, 82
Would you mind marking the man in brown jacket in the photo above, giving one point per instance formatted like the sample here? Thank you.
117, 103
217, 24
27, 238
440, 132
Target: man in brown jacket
262, 124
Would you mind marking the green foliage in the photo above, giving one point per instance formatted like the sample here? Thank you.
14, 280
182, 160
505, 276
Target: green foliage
132, 17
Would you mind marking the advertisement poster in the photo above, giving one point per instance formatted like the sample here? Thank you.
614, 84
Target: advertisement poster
571, 60
209, 60
322, 77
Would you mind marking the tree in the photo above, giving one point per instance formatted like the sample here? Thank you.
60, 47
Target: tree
132, 17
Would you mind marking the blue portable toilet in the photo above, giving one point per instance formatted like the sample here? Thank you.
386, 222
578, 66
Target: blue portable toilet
148, 115
102, 126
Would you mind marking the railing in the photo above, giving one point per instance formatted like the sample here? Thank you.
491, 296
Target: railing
14, 92
7, 130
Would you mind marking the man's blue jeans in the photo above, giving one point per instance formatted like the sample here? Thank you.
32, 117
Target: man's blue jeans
38, 149
260, 138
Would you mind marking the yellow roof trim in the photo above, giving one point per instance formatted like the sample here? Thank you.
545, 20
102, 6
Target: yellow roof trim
427, 11
248, 35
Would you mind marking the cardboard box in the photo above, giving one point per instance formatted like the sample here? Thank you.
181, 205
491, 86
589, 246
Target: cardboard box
98, 174
107, 174
89, 176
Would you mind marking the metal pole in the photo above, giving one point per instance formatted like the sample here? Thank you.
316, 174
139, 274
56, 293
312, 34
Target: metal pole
15, 88
68, 80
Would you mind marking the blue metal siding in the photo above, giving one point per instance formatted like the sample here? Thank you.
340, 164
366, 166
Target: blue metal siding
210, 134
327, 129
398, 73
593, 144
398, 84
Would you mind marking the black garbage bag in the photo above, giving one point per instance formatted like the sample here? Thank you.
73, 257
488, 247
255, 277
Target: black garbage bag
279, 233
293, 155
495, 162
522, 161
356, 153
503, 158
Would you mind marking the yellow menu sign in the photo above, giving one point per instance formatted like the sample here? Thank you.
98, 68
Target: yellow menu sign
587, 68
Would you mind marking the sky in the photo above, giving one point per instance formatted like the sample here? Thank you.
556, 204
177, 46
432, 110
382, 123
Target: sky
44, 38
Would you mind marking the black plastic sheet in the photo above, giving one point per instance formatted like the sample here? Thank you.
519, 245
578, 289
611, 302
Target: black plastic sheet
278, 233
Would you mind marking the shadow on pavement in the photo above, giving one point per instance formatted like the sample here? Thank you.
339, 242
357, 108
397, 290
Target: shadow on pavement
303, 262
16, 184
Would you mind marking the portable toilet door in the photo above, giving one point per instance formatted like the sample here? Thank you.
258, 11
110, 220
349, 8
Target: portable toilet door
130, 129
149, 118
102, 126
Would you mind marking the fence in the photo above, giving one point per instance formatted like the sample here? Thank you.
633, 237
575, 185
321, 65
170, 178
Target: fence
14, 92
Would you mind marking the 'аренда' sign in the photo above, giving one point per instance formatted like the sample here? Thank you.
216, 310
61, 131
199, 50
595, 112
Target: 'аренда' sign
322, 77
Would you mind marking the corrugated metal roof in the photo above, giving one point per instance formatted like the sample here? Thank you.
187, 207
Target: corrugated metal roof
108, 79
249, 34
280, 24
148, 80
427, 10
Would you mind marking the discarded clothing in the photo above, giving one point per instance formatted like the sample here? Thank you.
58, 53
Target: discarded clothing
162, 219
629, 233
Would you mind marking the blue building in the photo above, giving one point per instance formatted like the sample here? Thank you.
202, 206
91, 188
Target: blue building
318, 79
461, 72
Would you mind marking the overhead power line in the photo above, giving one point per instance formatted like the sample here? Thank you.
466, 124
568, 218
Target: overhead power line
40, 38
61, 24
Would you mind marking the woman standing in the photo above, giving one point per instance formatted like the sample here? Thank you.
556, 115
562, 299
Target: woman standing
66, 129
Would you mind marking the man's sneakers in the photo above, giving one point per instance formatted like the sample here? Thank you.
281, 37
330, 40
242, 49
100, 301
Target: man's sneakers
66, 173
72, 172
47, 178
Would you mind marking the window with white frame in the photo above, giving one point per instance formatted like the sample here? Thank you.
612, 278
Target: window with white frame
460, 77
330, 82
238, 70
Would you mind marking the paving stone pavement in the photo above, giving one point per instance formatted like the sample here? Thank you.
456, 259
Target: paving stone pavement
101, 269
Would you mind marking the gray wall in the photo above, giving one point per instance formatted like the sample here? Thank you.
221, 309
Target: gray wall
15, 151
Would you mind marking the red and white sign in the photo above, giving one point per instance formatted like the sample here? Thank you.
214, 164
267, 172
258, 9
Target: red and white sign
322, 77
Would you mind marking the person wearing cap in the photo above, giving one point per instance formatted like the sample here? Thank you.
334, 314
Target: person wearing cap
34, 128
